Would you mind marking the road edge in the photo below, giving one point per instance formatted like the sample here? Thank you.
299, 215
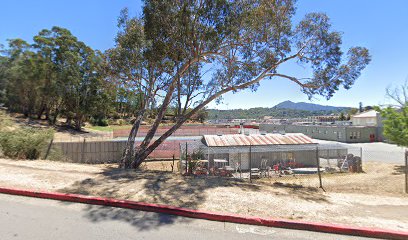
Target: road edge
214, 216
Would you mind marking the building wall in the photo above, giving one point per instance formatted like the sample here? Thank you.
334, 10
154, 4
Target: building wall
348, 134
305, 157
364, 121
375, 121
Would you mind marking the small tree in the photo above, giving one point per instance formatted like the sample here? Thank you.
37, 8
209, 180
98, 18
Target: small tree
396, 115
396, 125
342, 117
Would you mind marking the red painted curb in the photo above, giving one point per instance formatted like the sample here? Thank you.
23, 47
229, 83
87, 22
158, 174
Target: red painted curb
223, 217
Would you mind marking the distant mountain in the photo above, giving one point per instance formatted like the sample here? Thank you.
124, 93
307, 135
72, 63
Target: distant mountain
309, 106
286, 109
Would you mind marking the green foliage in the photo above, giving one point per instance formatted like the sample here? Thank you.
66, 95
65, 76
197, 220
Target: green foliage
396, 125
102, 122
5, 122
56, 75
25, 143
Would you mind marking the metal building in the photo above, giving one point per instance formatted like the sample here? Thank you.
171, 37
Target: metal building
255, 150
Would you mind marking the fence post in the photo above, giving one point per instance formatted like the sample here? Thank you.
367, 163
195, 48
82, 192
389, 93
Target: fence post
186, 158
318, 167
49, 149
180, 168
406, 171
83, 150
250, 163
172, 166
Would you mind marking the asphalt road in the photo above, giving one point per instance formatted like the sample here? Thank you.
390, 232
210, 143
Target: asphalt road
31, 218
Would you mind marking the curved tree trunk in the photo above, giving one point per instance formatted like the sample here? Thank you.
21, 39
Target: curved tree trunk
129, 150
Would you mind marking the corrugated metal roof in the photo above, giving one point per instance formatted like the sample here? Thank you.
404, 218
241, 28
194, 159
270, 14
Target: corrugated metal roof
257, 139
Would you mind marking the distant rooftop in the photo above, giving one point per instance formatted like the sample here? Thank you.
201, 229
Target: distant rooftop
370, 113
257, 139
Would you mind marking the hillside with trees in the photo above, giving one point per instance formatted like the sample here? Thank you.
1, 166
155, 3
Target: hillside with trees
256, 113
55, 76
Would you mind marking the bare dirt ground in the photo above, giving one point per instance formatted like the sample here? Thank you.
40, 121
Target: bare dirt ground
371, 199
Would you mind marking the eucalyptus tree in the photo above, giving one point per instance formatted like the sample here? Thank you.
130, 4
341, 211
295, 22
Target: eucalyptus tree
56, 75
79, 78
189, 53
20, 75
3, 76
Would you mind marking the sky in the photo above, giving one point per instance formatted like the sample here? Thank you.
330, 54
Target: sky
379, 25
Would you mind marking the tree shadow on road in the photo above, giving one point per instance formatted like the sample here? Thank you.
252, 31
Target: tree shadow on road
141, 220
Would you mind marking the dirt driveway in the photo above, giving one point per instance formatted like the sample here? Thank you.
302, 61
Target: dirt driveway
372, 199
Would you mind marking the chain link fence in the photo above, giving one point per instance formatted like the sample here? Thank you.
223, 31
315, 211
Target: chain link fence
333, 167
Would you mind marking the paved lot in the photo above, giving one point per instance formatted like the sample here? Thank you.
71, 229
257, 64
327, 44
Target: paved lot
31, 218
375, 152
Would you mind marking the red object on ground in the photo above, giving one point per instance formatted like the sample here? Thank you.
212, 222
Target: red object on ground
222, 217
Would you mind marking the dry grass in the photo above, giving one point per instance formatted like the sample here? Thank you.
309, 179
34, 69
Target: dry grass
378, 178
355, 199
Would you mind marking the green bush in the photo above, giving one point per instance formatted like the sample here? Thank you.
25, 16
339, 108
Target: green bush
103, 122
25, 143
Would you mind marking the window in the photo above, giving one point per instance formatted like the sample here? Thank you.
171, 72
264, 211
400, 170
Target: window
358, 135
354, 135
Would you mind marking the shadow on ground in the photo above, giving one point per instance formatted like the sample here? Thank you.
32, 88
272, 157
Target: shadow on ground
306, 193
152, 187
398, 170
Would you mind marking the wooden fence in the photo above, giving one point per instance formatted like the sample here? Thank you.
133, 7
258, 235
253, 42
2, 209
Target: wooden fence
108, 151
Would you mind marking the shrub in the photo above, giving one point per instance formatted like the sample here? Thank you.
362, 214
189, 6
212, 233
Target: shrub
103, 122
25, 143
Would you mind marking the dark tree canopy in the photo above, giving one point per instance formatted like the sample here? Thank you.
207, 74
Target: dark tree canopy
185, 54
57, 75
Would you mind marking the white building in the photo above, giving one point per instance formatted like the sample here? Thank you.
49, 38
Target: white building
368, 118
